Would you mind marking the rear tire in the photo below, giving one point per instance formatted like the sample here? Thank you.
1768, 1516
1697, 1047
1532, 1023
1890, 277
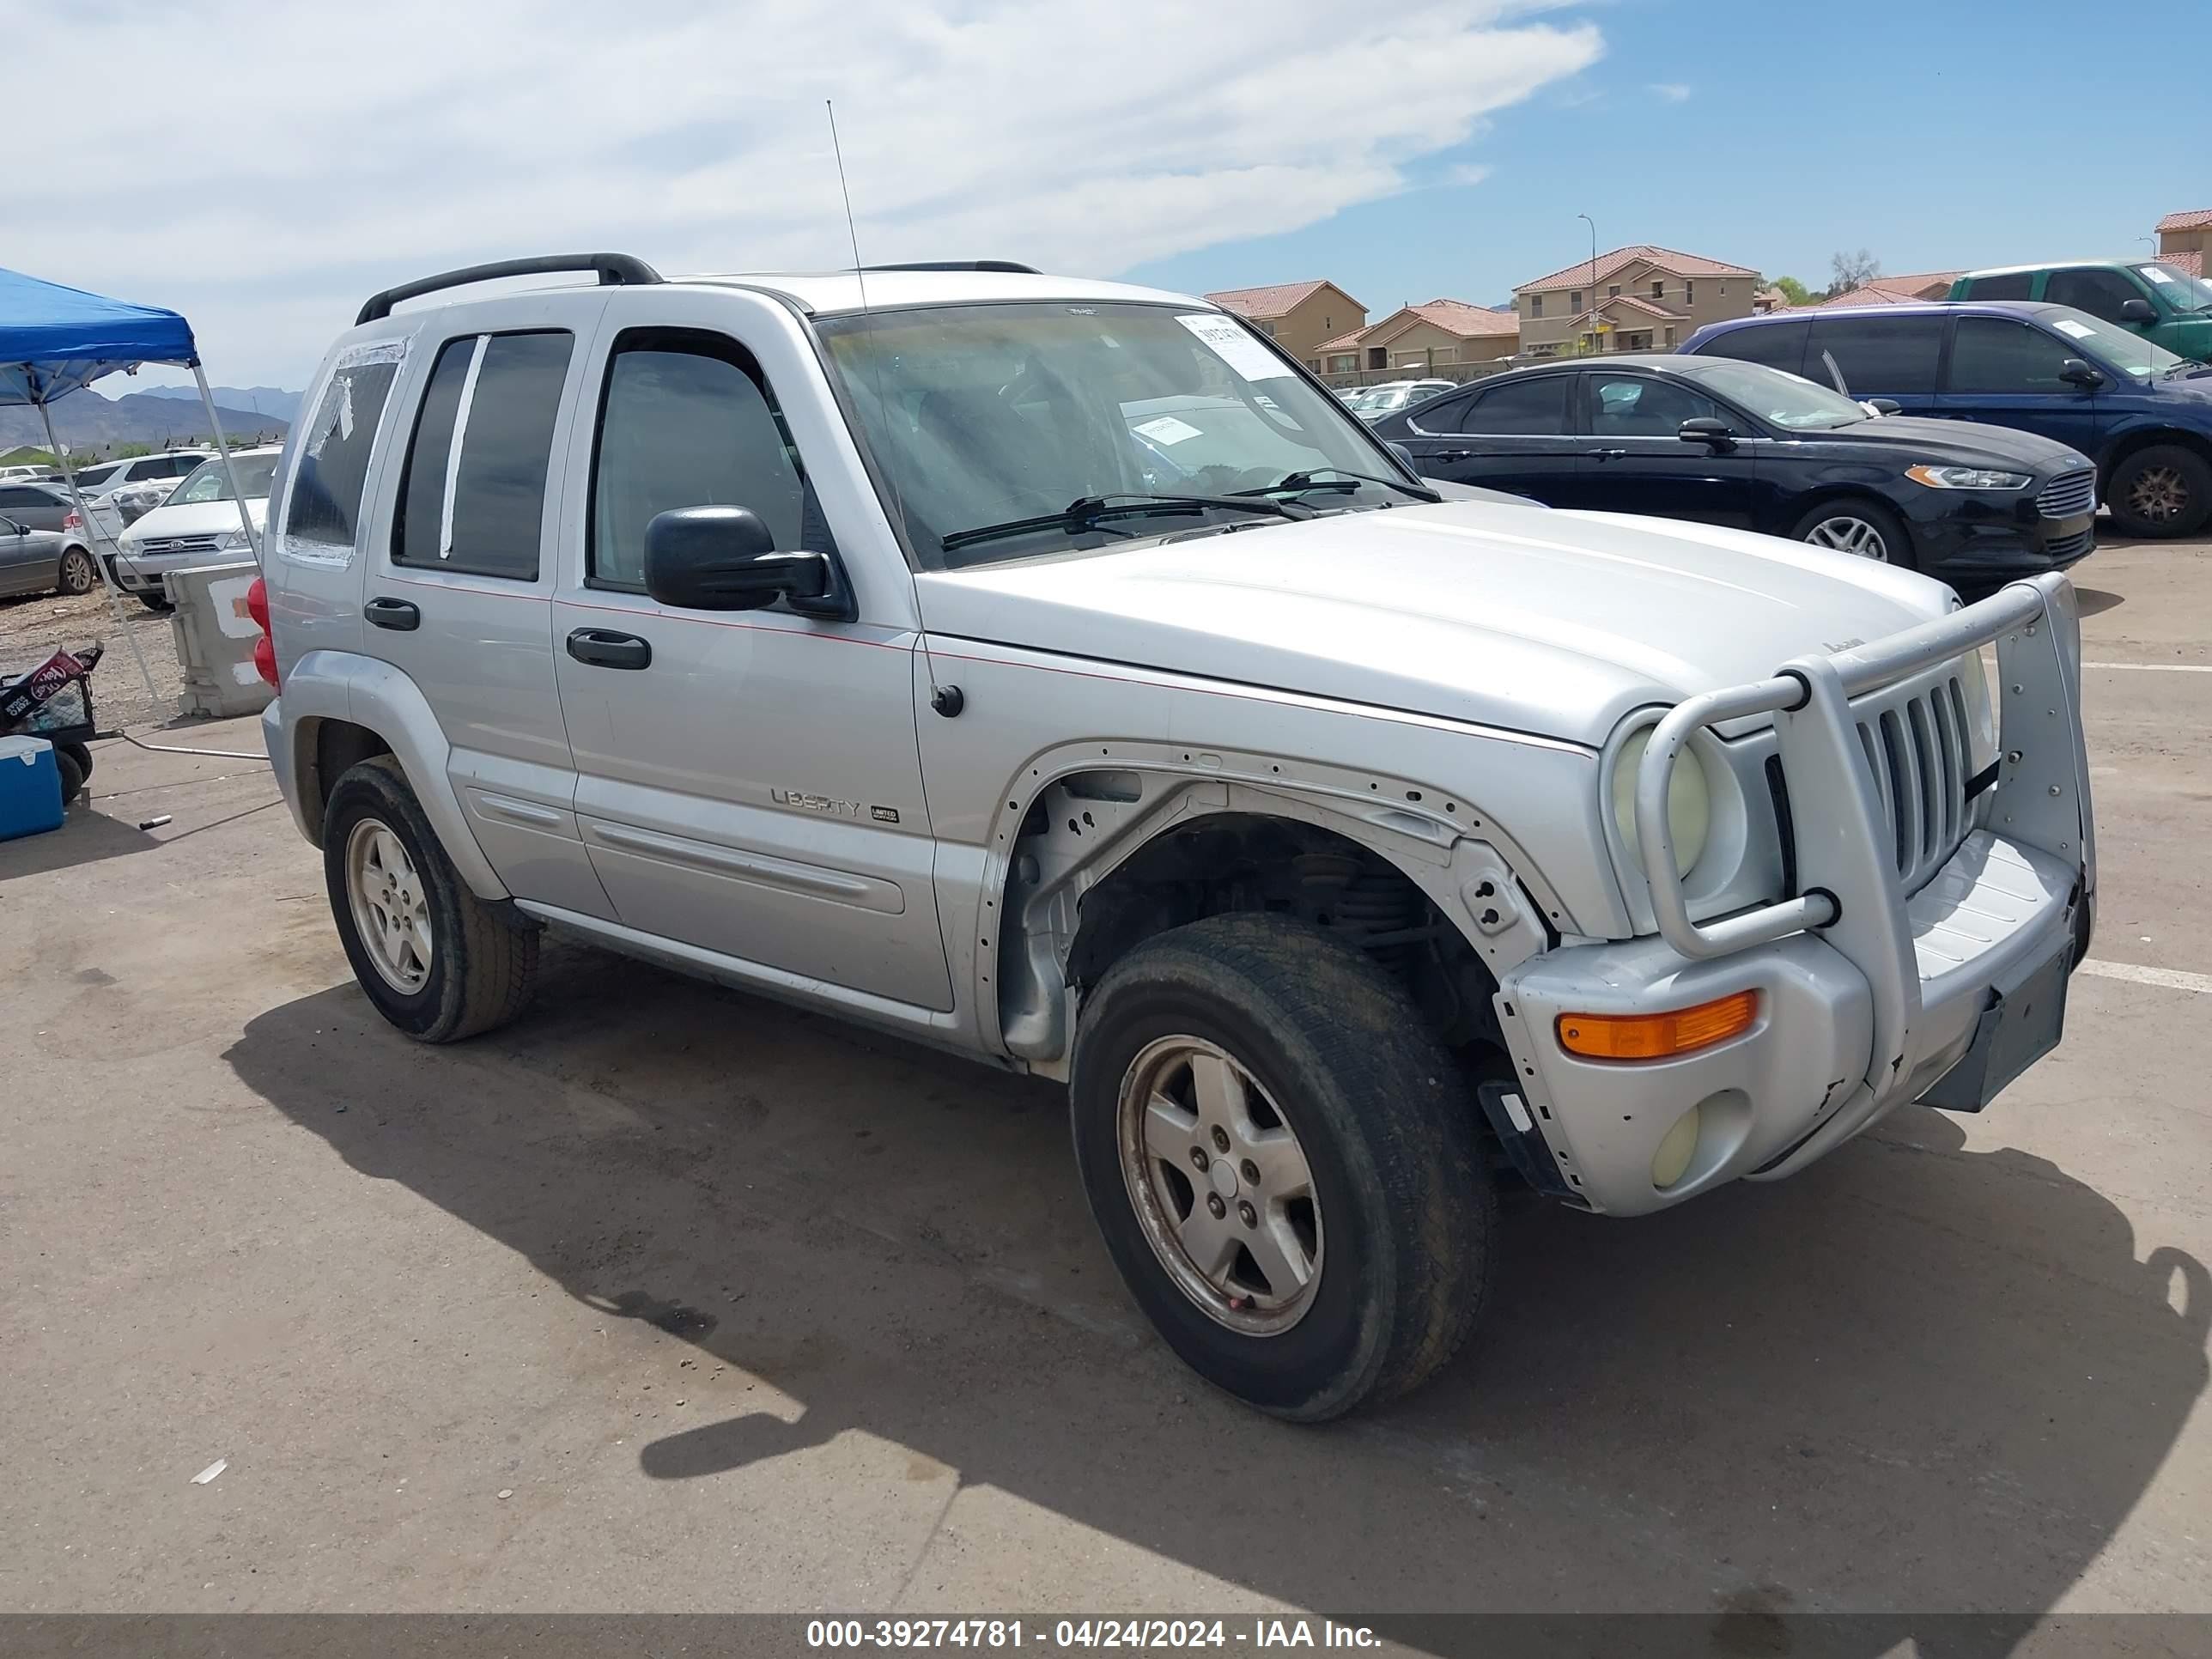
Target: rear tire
155, 602
1858, 525
2162, 489
1318, 1044
77, 575
79, 753
72, 776
438, 961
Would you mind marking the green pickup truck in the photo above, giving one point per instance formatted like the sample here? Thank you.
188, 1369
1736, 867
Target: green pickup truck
2163, 303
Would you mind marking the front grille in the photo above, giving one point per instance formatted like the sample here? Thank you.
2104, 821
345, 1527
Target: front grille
2070, 547
1916, 748
2069, 496
180, 545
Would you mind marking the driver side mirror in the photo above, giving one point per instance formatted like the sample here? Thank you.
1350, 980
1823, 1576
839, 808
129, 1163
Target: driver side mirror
1405, 459
1884, 405
2138, 311
15, 528
725, 558
2074, 372
1705, 429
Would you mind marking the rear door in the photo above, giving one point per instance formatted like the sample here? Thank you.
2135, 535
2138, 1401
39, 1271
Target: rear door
2006, 372
1514, 434
749, 782
1879, 354
1636, 459
460, 591
29, 563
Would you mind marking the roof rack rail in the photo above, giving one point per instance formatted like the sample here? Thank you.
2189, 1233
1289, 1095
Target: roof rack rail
1008, 265
614, 271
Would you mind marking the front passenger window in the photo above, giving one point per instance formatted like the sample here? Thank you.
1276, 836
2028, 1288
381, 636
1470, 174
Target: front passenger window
687, 420
1996, 354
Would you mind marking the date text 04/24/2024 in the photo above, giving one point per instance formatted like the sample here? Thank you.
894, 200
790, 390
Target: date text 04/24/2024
1067, 1633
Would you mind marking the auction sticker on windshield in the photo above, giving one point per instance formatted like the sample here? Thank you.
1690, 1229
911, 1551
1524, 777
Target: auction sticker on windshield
2079, 330
1234, 347
1167, 430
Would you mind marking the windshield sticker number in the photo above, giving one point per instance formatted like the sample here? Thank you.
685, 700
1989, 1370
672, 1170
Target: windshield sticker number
1167, 430
1229, 342
2079, 330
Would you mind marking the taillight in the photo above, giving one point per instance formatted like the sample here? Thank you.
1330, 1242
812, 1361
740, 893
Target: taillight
72, 519
265, 648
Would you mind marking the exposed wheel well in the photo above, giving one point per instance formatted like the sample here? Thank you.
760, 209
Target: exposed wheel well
2129, 443
327, 750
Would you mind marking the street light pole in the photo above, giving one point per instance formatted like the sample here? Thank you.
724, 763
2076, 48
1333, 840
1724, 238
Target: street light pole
1592, 224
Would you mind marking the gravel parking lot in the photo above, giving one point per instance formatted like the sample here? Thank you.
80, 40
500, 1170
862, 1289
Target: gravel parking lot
666, 1298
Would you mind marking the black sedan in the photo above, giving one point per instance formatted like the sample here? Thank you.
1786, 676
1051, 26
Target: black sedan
1727, 442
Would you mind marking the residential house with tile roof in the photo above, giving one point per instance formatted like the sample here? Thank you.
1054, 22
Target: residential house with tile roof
1423, 339
2185, 239
1297, 316
1582, 306
1895, 291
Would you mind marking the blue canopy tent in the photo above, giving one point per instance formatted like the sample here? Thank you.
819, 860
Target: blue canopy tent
54, 340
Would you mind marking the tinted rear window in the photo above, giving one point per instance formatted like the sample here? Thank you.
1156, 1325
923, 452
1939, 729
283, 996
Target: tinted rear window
1879, 356
2011, 285
1778, 345
492, 400
1537, 406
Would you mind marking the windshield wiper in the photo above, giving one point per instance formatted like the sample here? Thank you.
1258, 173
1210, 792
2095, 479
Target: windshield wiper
1089, 512
1345, 479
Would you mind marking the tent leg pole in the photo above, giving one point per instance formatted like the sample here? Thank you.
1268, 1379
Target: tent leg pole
92, 536
230, 472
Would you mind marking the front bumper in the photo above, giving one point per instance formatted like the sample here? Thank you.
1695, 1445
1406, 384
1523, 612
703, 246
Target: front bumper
1870, 993
142, 572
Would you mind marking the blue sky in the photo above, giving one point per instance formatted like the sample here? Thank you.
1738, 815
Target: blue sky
1407, 151
1939, 135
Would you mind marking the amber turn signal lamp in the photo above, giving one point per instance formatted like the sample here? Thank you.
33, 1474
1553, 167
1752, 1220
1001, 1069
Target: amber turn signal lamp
1658, 1036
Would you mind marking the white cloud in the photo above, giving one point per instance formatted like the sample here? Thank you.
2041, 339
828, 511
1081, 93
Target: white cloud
332, 158
1670, 92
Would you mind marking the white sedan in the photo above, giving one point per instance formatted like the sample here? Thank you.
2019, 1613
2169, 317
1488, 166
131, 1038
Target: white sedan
198, 525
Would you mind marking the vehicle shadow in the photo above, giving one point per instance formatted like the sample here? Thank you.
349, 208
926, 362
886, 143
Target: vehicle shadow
1914, 1379
2095, 601
86, 836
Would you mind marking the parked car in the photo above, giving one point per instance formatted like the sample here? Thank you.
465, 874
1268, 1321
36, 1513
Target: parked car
21, 474
98, 484
1345, 851
43, 546
1372, 403
134, 502
2161, 302
2140, 412
198, 525
1719, 441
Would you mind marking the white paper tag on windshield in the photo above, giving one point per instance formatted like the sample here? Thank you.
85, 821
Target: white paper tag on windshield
1167, 430
2068, 325
1234, 347
2154, 273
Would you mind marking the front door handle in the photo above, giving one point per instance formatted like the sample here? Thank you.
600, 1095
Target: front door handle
604, 648
395, 614
1452, 455
1607, 454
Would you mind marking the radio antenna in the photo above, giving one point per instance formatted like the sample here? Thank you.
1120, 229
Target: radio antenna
883, 407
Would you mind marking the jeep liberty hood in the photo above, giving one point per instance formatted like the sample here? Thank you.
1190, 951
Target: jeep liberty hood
1556, 624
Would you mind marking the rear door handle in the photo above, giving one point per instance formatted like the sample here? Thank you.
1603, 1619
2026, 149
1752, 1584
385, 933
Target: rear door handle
395, 614
1452, 455
1607, 454
604, 648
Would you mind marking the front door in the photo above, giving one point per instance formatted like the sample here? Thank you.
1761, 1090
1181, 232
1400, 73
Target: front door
748, 781
1512, 436
2007, 373
1639, 462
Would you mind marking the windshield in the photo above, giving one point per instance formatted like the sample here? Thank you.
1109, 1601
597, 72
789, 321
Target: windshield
2123, 349
206, 482
1789, 401
2186, 292
983, 415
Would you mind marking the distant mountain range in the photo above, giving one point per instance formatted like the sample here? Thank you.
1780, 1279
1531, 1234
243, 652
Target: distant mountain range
85, 420
261, 399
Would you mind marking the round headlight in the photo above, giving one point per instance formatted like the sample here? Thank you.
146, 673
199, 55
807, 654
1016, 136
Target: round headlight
1689, 802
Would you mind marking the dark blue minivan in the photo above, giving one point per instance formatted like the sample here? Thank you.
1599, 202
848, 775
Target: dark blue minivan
2143, 415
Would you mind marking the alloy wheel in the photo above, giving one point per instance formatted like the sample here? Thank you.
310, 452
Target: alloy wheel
1221, 1188
1849, 535
2157, 495
390, 906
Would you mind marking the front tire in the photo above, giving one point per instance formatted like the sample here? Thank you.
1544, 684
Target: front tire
155, 602
76, 575
2162, 489
1860, 526
438, 961
1323, 1240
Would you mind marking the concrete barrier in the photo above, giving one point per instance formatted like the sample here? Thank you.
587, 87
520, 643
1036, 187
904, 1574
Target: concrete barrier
215, 635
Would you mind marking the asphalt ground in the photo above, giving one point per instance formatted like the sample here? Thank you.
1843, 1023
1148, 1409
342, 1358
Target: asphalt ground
666, 1298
